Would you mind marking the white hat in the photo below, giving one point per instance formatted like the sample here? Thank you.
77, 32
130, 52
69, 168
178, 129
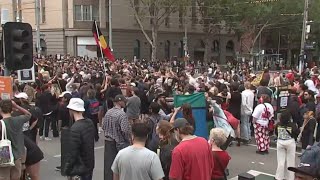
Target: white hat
21, 95
63, 93
76, 104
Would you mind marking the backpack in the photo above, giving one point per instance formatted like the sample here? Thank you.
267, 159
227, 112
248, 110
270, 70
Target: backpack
153, 138
94, 107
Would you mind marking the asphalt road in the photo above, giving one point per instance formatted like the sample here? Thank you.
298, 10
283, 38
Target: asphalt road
243, 159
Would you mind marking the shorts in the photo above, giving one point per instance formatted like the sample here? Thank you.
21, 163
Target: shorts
14, 172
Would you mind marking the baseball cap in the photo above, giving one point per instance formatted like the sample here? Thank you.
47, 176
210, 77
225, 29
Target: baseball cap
309, 164
180, 123
21, 95
120, 97
76, 104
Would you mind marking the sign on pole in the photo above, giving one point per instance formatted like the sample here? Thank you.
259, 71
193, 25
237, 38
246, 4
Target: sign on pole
6, 91
26, 75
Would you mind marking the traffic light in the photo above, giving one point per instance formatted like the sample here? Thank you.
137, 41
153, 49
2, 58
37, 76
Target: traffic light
18, 45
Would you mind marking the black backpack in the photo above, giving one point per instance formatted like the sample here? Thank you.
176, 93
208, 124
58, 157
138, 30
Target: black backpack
153, 138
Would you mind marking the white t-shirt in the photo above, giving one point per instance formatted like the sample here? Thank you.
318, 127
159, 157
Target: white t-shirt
260, 115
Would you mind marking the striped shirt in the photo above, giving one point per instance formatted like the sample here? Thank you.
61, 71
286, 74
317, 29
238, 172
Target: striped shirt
116, 125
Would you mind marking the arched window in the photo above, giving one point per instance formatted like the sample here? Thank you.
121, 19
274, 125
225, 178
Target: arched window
136, 49
216, 46
167, 49
230, 46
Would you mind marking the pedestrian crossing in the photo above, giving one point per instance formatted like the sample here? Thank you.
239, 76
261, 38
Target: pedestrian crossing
258, 175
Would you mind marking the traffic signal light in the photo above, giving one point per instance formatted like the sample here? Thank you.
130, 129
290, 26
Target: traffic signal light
18, 47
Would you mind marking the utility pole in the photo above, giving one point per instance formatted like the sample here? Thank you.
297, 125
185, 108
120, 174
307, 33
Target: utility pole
303, 36
110, 25
37, 13
19, 14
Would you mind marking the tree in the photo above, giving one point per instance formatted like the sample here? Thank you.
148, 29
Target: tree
157, 11
211, 16
254, 16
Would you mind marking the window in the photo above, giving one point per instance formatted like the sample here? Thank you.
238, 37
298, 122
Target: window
86, 13
78, 12
43, 11
136, 49
167, 50
230, 46
216, 45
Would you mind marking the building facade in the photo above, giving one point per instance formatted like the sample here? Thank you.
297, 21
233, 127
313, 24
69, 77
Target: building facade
66, 27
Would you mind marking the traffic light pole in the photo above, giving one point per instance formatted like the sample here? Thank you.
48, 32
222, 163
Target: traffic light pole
38, 27
303, 36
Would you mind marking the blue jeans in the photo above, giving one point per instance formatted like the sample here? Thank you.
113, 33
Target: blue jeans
245, 127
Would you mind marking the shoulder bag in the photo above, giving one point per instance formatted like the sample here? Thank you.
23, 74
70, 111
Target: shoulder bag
6, 155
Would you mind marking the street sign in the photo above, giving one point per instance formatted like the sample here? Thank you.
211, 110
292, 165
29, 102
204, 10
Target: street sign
26, 75
6, 91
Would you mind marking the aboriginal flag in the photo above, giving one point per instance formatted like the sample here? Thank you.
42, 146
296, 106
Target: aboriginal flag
101, 42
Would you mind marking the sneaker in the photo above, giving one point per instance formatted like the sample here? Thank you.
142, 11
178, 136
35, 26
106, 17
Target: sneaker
41, 137
47, 139
58, 168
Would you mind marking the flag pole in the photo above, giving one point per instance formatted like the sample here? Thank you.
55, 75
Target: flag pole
102, 55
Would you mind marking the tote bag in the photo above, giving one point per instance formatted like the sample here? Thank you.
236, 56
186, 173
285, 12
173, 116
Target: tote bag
6, 156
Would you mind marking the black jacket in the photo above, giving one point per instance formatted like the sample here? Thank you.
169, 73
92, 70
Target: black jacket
45, 101
80, 155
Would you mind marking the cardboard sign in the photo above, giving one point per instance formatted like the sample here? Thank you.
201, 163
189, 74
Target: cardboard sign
26, 75
6, 91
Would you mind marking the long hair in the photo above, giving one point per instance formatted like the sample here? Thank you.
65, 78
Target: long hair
187, 114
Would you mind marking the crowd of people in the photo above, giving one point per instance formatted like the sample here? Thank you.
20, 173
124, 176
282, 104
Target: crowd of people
130, 103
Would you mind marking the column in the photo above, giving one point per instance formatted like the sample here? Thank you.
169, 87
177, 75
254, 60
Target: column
102, 14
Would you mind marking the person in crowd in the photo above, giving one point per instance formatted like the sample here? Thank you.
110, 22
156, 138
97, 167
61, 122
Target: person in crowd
80, 159
136, 161
294, 104
92, 110
221, 158
14, 127
307, 130
286, 132
309, 101
117, 131
262, 114
46, 102
133, 106
194, 151
186, 113
235, 101
264, 89
309, 167
153, 119
247, 100
167, 144
34, 155
64, 116
112, 91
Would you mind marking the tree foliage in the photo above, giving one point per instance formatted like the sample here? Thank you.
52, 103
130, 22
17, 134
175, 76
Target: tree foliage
156, 11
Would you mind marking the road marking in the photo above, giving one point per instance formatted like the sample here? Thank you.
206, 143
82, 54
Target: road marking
96, 148
261, 163
253, 145
253, 173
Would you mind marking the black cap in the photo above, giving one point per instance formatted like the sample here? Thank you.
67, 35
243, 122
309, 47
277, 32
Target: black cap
180, 123
120, 97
